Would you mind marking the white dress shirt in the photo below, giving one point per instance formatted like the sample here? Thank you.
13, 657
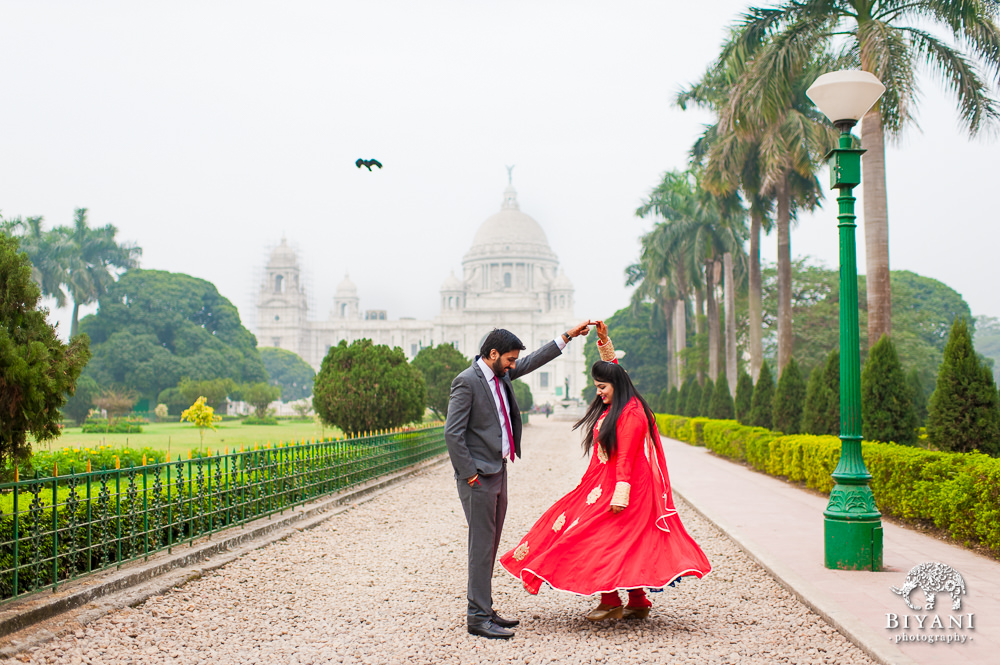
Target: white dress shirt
490, 375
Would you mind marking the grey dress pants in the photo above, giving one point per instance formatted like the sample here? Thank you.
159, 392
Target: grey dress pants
485, 507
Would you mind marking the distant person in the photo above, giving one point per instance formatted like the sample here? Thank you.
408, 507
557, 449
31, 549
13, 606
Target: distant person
618, 529
483, 430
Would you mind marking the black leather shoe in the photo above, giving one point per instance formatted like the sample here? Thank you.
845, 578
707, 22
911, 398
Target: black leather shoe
491, 630
504, 623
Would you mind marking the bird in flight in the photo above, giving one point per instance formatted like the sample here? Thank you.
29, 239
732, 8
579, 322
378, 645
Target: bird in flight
369, 163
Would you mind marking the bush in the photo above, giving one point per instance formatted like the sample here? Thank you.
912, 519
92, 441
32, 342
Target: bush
175, 401
786, 411
744, 398
886, 402
706, 398
364, 387
821, 413
693, 401
956, 492
721, 406
763, 398
259, 396
522, 393
261, 420
78, 406
964, 411
670, 405
117, 426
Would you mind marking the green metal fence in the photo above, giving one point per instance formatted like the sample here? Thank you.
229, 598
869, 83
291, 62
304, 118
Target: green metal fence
56, 529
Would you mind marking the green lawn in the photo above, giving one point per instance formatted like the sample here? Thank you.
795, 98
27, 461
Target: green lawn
178, 438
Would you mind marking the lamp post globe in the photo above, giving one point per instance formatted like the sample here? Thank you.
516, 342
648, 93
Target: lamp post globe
852, 522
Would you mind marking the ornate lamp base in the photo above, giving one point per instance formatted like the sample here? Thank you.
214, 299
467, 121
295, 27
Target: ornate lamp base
852, 529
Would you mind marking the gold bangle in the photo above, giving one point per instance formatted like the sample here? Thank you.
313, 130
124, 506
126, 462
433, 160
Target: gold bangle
607, 350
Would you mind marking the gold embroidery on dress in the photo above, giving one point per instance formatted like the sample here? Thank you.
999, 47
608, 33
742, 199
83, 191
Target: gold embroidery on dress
602, 454
594, 495
521, 551
607, 351
620, 497
559, 522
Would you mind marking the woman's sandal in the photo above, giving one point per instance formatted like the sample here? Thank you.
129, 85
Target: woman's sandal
635, 612
604, 612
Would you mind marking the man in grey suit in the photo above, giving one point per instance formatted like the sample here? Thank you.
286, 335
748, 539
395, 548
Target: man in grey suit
482, 431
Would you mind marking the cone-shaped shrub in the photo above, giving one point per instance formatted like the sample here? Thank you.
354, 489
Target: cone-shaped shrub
821, 413
964, 411
919, 395
788, 400
814, 401
660, 402
693, 402
763, 397
721, 406
744, 396
706, 398
671, 404
682, 399
886, 403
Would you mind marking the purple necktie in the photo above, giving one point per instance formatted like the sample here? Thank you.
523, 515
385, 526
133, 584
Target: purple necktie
506, 419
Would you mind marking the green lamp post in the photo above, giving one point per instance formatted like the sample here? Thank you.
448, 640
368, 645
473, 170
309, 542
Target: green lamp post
852, 521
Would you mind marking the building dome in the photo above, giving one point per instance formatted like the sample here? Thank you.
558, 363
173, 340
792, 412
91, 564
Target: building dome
452, 283
562, 282
283, 256
510, 233
346, 289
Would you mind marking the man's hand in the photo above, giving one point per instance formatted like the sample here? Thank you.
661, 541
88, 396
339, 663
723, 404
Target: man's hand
473, 480
580, 329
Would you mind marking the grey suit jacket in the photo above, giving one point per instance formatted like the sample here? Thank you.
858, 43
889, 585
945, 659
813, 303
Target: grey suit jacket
473, 430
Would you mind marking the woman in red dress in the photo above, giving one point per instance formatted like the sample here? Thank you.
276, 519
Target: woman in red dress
618, 529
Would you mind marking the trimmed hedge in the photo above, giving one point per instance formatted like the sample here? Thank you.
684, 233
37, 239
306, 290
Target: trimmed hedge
958, 492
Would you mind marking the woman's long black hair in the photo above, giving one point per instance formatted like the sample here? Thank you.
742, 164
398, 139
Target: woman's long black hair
607, 372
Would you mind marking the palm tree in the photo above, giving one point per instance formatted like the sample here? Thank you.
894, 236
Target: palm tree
652, 276
883, 37
699, 229
90, 262
47, 251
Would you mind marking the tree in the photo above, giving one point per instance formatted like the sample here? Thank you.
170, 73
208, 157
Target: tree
919, 395
692, 405
155, 328
682, 399
37, 370
522, 393
763, 398
706, 398
363, 387
637, 331
93, 255
886, 38
821, 414
173, 399
202, 416
886, 402
289, 372
161, 412
744, 398
673, 399
79, 405
721, 406
116, 402
439, 366
788, 399
964, 411
215, 391
259, 396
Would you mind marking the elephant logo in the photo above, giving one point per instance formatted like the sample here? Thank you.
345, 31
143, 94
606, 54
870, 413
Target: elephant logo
932, 578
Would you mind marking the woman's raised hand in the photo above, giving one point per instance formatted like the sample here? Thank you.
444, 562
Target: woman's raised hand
602, 331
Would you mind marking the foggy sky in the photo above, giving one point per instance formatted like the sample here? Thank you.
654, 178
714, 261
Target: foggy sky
206, 131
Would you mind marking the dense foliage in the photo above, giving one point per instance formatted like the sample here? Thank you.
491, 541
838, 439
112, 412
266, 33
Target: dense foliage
259, 395
439, 366
786, 410
692, 404
363, 386
522, 393
155, 328
706, 397
289, 372
886, 403
641, 334
37, 370
964, 411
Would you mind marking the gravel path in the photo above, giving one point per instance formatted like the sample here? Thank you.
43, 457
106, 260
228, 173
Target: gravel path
385, 583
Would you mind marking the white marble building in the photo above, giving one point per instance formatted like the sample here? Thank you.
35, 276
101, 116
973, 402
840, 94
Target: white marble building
510, 279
